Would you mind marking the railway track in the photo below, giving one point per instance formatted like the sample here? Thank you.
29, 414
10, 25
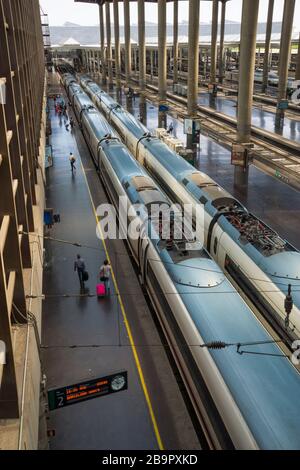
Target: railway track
275, 155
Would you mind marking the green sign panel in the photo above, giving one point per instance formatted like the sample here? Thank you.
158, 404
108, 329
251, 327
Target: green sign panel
283, 104
71, 394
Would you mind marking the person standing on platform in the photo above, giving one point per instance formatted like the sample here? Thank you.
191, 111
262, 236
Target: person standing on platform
170, 128
79, 266
72, 159
105, 271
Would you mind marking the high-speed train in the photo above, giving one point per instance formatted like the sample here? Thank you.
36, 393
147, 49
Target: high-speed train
251, 254
244, 401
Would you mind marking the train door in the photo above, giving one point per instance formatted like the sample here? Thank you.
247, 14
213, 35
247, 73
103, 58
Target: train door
217, 250
143, 249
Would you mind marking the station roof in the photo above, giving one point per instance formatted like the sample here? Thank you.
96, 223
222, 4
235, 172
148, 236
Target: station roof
102, 2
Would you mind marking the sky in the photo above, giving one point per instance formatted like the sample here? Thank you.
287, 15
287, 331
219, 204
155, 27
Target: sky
61, 11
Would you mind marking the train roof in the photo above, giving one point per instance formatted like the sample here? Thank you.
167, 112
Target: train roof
134, 126
82, 98
121, 160
175, 164
274, 266
285, 265
98, 124
265, 388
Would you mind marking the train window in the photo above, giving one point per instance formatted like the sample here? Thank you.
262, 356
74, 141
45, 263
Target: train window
185, 182
126, 185
203, 200
215, 245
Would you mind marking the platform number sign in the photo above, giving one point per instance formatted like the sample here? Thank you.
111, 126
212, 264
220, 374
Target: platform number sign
95, 388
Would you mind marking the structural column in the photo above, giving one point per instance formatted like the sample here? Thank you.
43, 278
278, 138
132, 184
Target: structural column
93, 61
89, 61
99, 62
127, 40
267, 46
246, 69
108, 47
151, 63
297, 75
117, 43
142, 44
103, 61
193, 57
214, 36
175, 42
162, 50
284, 54
222, 34
193, 62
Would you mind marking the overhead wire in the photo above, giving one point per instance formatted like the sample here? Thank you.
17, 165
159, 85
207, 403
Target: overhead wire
197, 268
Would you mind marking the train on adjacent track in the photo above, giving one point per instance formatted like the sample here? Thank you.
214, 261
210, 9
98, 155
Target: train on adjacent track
251, 254
243, 401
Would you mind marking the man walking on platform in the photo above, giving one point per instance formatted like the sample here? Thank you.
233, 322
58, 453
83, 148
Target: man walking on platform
72, 161
79, 266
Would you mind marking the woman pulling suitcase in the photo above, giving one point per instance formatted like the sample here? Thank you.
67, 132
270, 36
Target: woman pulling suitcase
104, 287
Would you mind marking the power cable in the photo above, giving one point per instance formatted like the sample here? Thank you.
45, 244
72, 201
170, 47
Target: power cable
197, 268
214, 345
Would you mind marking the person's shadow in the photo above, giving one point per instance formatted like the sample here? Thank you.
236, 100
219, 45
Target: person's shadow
84, 297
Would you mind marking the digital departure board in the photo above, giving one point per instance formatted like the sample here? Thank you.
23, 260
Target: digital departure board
69, 395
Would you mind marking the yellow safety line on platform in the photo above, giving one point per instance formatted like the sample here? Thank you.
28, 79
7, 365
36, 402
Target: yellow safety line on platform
134, 351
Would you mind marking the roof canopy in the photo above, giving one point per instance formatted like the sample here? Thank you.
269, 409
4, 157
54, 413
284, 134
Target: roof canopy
71, 42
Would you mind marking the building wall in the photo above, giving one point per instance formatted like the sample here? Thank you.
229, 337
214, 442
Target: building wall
22, 150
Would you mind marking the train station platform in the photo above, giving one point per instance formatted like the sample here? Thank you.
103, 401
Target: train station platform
270, 199
262, 116
85, 337
263, 113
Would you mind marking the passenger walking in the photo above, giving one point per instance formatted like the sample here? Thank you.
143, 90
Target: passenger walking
72, 123
170, 128
105, 271
79, 266
72, 159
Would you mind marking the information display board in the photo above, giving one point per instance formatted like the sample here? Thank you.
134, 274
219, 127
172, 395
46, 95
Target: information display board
93, 388
238, 155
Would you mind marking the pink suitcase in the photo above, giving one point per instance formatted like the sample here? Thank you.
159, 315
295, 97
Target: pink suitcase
101, 291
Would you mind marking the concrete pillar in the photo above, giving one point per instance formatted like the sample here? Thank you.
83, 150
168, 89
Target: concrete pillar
127, 40
102, 45
85, 60
135, 59
143, 109
193, 57
142, 44
99, 61
284, 54
108, 40
175, 42
193, 62
117, 43
297, 75
94, 61
89, 62
214, 37
162, 50
151, 63
180, 59
221, 52
246, 68
267, 46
